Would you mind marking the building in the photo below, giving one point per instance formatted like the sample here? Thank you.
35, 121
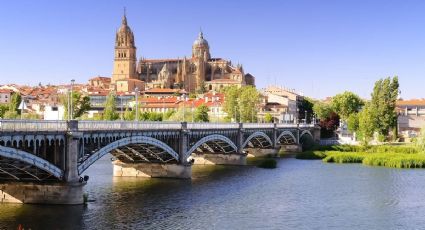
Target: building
100, 82
5, 95
281, 103
199, 73
411, 116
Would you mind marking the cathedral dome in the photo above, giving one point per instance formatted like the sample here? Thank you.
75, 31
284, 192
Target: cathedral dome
124, 36
200, 41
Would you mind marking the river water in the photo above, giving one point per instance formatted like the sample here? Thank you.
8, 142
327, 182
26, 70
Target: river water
299, 194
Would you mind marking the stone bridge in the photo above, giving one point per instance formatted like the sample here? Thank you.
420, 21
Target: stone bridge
44, 161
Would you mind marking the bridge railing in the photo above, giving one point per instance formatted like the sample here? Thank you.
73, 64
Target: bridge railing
257, 125
211, 125
32, 125
126, 125
43, 125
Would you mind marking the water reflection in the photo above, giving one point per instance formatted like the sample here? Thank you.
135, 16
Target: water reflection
298, 194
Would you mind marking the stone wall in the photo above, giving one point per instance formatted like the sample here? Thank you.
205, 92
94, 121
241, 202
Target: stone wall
292, 148
218, 159
151, 170
254, 152
32, 193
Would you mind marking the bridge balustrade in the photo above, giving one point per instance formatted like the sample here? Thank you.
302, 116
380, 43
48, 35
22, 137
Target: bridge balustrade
32, 125
127, 125
212, 125
257, 125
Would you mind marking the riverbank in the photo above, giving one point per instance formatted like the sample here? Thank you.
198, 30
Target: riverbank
395, 156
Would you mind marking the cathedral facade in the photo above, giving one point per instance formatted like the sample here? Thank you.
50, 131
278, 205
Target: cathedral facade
199, 73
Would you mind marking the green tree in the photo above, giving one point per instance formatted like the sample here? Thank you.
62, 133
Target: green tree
201, 114
346, 103
80, 105
306, 105
322, 110
3, 110
12, 111
420, 140
230, 106
268, 118
178, 115
353, 122
15, 100
154, 116
367, 123
129, 114
241, 103
110, 111
248, 103
168, 114
383, 103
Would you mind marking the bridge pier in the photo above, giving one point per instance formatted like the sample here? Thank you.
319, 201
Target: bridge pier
181, 171
257, 152
218, 159
34, 193
295, 148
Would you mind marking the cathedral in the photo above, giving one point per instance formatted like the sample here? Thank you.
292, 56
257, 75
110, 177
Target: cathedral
199, 73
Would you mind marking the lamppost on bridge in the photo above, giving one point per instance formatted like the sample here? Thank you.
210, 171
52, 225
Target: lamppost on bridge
122, 115
184, 107
136, 92
71, 112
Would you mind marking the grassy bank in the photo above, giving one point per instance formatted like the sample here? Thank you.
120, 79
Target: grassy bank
396, 156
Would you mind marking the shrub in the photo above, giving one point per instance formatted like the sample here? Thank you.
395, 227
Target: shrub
346, 157
311, 155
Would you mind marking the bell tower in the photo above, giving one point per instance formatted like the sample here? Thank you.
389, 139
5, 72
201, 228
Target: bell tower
125, 53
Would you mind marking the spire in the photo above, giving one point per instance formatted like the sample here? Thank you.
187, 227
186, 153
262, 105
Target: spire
201, 35
124, 18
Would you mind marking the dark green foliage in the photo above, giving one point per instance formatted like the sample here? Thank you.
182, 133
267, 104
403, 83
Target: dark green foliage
311, 155
306, 104
150, 116
201, 114
3, 109
307, 142
268, 118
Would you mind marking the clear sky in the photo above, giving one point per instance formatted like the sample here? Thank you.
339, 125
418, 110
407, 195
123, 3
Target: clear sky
318, 47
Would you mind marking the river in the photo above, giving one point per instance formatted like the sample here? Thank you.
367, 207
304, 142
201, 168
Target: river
299, 194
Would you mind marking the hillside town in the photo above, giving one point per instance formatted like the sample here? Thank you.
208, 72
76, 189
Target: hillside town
164, 87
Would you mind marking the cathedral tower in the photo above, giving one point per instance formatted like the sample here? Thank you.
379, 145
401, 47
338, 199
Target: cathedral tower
200, 48
125, 53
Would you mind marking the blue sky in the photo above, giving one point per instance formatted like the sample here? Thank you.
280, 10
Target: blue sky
319, 47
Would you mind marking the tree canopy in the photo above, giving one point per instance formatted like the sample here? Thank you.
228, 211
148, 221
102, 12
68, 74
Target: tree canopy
241, 103
346, 103
201, 113
110, 111
80, 105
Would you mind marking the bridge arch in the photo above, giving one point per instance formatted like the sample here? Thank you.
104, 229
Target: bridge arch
257, 134
306, 132
287, 133
210, 138
31, 159
123, 142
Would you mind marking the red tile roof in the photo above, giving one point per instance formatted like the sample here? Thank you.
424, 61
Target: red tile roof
412, 102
